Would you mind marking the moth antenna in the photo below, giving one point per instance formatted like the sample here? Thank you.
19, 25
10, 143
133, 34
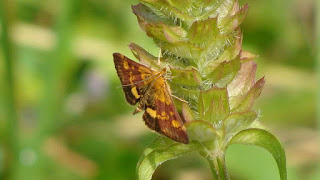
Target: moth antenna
180, 99
142, 80
139, 81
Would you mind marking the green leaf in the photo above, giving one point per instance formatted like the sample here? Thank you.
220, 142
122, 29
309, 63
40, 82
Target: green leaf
242, 83
144, 57
266, 140
158, 27
232, 50
225, 72
225, 8
187, 112
182, 5
236, 122
201, 32
168, 10
182, 49
174, 33
215, 48
204, 9
189, 95
194, 8
247, 101
204, 133
189, 10
159, 143
201, 131
229, 24
145, 15
186, 78
246, 56
156, 31
199, 55
155, 158
215, 104
201, 106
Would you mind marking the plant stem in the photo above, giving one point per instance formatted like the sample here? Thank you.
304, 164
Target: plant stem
222, 168
10, 112
218, 168
213, 166
317, 45
55, 72
54, 83
317, 49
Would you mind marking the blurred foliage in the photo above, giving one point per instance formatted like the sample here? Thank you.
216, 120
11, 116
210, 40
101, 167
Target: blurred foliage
95, 135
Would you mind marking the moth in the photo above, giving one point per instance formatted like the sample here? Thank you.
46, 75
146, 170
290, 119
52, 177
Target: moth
148, 88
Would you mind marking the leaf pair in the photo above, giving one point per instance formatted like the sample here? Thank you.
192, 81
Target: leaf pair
202, 136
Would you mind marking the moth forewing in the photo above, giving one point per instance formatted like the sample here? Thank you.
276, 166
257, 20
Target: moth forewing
147, 94
150, 90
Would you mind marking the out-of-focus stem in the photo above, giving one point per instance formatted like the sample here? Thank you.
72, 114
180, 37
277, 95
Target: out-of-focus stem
55, 72
317, 20
11, 141
317, 45
54, 83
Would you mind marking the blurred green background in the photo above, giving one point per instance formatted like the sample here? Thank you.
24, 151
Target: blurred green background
71, 121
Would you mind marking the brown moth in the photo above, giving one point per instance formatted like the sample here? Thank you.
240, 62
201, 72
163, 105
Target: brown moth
150, 90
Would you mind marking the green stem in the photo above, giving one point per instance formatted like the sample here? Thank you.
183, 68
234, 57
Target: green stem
214, 170
54, 84
218, 168
222, 168
55, 72
11, 141
317, 45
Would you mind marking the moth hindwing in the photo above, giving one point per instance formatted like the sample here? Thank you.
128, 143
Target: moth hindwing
148, 88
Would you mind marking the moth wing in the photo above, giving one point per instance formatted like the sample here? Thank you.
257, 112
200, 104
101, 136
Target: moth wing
134, 77
161, 114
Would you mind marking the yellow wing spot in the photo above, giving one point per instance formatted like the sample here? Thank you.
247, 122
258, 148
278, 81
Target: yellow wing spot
125, 65
161, 81
163, 113
165, 130
132, 78
175, 123
171, 113
143, 76
151, 112
142, 69
160, 95
165, 117
135, 92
